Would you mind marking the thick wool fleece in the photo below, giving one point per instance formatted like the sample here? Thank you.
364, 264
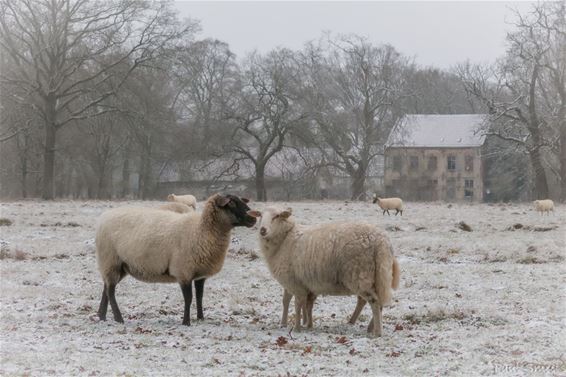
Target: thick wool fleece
154, 245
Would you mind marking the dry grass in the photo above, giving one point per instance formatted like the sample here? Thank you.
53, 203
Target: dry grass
17, 254
5, 222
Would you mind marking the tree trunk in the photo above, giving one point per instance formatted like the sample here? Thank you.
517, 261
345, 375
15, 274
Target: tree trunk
49, 151
49, 161
358, 184
101, 189
126, 174
563, 161
541, 184
260, 182
145, 175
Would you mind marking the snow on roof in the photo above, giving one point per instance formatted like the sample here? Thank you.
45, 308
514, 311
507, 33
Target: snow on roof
423, 130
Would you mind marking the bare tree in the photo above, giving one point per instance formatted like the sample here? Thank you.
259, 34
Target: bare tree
523, 91
265, 110
355, 91
205, 71
63, 49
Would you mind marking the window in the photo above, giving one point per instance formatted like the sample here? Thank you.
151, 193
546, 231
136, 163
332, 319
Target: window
432, 162
397, 163
468, 188
469, 163
451, 163
414, 163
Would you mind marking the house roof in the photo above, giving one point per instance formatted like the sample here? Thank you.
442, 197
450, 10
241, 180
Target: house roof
452, 131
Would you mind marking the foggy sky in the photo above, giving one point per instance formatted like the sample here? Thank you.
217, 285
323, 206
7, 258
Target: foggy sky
437, 34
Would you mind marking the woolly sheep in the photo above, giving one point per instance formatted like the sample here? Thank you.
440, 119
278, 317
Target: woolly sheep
389, 203
176, 207
158, 246
352, 258
543, 206
307, 310
189, 200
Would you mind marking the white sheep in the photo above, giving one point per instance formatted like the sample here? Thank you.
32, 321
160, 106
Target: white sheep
176, 207
154, 246
189, 200
307, 310
543, 206
389, 203
352, 258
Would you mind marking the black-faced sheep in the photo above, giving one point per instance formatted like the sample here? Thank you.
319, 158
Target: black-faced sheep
332, 259
158, 246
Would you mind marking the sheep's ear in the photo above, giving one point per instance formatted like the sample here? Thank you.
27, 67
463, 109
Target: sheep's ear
254, 213
245, 200
285, 214
170, 197
221, 201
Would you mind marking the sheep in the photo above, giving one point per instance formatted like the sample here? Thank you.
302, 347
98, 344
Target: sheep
329, 259
176, 207
543, 206
307, 311
158, 246
389, 203
189, 200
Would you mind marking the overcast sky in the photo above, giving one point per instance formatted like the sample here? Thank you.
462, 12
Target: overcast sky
437, 34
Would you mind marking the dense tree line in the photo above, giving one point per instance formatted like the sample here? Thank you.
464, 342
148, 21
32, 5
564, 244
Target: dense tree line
94, 94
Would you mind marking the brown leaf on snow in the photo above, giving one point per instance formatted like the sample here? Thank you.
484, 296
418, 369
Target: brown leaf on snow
342, 340
394, 354
398, 327
281, 341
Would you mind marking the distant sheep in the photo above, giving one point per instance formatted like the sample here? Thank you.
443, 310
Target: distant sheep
543, 206
189, 200
389, 203
158, 246
352, 258
176, 207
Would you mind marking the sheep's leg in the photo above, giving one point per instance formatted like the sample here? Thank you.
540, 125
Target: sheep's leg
397, 211
310, 305
300, 302
359, 306
110, 291
375, 324
388, 214
199, 288
187, 290
286, 300
370, 326
384, 212
103, 305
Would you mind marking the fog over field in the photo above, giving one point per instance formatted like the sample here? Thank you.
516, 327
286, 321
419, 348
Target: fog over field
485, 302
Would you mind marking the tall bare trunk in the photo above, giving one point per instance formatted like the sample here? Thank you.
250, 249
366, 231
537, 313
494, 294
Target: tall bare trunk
126, 173
358, 184
541, 184
260, 182
563, 161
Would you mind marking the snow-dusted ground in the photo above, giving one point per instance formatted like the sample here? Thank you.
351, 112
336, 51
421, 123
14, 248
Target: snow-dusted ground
486, 302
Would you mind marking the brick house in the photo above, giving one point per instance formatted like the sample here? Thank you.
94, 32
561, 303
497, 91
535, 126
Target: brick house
435, 157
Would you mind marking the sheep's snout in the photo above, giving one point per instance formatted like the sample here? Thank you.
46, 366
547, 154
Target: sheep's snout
262, 231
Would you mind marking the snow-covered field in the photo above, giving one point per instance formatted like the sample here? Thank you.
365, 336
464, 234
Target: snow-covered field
487, 302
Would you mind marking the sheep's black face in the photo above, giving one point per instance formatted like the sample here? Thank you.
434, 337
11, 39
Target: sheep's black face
374, 200
238, 210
